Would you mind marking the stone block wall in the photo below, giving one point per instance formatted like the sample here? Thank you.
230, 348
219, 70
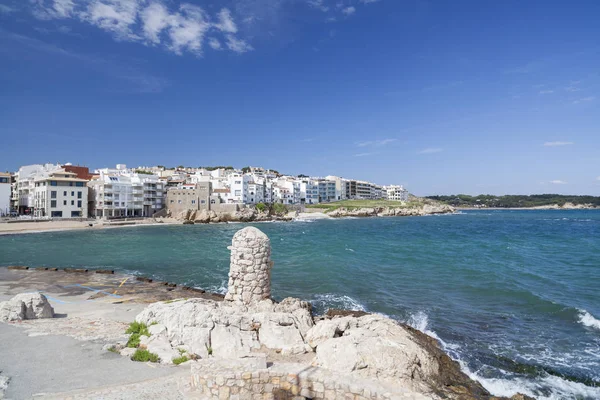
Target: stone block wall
286, 381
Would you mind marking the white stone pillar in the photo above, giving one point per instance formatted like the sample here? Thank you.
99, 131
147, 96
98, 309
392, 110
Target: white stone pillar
250, 268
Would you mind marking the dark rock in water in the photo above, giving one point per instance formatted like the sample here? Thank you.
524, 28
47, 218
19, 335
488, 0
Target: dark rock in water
41, 268
171, 285
105, 271
334, 312
78, 270
143, 279
52, 269
188, 222
18, 267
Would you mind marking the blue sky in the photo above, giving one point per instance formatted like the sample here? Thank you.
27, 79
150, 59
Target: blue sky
443, 97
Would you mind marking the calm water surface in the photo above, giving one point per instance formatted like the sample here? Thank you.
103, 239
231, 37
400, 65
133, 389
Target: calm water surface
512, 295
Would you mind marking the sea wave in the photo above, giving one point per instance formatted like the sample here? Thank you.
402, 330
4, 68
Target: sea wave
587, 319
322, 302
548, 387
221, 289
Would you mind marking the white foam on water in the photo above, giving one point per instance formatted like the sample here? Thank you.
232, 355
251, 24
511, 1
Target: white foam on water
222, 289
336, 301
587, 319
349, 249
548, 387
544, 388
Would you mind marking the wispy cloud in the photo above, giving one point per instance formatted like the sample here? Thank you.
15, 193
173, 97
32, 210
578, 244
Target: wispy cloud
584, 100
363, 154
546, 91
598, 178
558, 143
430, 150
349, 10
558, 182
180, 30
131, 79
375, 143
4, 9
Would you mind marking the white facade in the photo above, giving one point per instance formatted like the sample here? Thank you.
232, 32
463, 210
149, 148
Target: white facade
60, 195
5, 194
24, 185
395, 193
127, 195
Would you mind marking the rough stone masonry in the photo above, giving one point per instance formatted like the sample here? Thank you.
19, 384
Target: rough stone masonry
250, 269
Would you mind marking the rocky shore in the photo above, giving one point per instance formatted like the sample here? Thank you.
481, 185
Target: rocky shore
254, 215
246, 345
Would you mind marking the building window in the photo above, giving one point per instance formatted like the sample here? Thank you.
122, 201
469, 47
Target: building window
65, 193
53, 204
172, 201
53, 183
64, 202
79, 184
178, 201
55, 214
72, 194
238, 192
3, 180
72, 202
75, 214
79, 203
193, 201
70, 183
202, 201
53, 194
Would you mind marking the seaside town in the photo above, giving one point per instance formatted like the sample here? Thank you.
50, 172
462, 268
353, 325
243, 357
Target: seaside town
63, 191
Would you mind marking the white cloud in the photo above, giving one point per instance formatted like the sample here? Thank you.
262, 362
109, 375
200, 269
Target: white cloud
376, 143
4, 9
546, 91
150, 22
431, 150
368, 1
572, 89
238, 45
558, 182
584, 99
226, 23
215, 44
555, 144
363, 154
319, 5
349, 10
598, 178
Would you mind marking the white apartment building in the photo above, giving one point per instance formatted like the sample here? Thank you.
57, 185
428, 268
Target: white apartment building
126, 194
5, 194
340, 187
256, 193
60, 195
395, 193
309, 191
24, 185
327, 190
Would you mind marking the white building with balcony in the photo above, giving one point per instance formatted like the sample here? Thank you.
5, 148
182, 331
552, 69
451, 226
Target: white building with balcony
125, 194
395, 193
24, 185
60, 195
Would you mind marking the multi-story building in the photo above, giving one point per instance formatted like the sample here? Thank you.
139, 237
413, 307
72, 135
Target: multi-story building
60, 195
194, 196
5, 193
395, 193
126, 194
326, 191
24, 185
350, 189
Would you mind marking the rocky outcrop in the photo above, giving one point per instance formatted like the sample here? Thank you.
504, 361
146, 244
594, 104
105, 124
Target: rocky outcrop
424, 209
26, 306
226, 329
243, 215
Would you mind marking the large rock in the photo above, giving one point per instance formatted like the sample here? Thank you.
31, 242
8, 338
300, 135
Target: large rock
226, 329
26, 306
372, 346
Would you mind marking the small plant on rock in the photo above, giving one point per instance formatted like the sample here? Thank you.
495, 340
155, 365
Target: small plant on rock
136, 329
144, 356
179, 360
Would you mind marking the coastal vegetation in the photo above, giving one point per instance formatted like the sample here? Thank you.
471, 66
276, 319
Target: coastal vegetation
144, 355
515, 201
136, 330
356, 204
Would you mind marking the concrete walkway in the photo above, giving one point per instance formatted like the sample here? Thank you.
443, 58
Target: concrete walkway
53, 364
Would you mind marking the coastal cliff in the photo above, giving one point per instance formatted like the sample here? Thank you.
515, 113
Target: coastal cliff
418, 210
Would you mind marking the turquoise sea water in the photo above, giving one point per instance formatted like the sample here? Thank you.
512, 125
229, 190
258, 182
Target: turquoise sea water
512, 295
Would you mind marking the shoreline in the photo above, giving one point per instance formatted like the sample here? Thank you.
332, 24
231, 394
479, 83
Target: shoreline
89, 313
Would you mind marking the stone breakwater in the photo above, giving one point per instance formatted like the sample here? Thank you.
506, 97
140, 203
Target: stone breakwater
250, 347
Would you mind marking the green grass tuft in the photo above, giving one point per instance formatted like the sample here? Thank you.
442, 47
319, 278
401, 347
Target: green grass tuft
180, 360
182, 351
144, 356
113, 349
134, 340
139, 328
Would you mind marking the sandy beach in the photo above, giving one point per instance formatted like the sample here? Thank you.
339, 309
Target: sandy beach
67, 225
